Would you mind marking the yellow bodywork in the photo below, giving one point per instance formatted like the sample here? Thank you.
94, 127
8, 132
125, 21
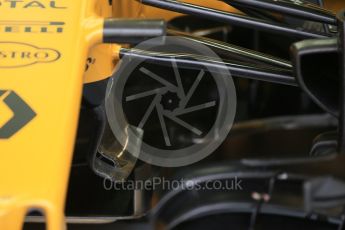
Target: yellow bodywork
35, 161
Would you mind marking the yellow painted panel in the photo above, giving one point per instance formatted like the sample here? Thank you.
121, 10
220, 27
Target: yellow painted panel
43, 49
